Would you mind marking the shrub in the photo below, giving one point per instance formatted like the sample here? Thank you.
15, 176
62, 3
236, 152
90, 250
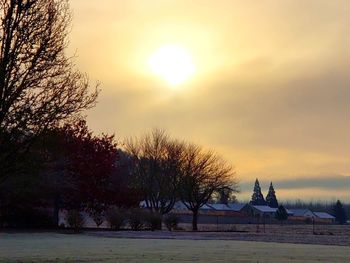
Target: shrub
281, 214
136, 219
115, 218
154, 221
75, 220
27, 218
171, 221
98, 217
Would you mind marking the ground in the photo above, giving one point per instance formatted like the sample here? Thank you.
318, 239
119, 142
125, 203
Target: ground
92, 247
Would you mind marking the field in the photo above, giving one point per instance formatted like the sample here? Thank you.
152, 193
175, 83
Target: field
55, 247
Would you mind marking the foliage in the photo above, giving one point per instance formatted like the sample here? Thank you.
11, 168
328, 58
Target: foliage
271, 198
90, 163
257, 197
281, 214
171, 221
339, 213
75, 219
121, 191
39, 85
154, 221
98, 217
223, 196
26, 217
115, 217
137, 218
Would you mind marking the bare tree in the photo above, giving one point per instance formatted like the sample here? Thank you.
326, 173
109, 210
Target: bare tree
155, 167
39, 85
203, 174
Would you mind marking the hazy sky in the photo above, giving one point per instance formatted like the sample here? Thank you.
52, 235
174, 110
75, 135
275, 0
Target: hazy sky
271, 90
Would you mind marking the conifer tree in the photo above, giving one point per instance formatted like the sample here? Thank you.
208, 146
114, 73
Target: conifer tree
271, 199
281, 214
339, 213
257, 197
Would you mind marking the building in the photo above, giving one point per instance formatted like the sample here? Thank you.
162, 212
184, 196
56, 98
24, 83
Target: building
301, 215
322, 217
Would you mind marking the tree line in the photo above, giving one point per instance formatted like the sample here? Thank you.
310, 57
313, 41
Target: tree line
337, 209
49, 157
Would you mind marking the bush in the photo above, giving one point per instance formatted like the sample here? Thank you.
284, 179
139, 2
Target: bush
115, 218
136, 219
27, 218
98, 217
154, 221
75, 220
281, 214
171, 221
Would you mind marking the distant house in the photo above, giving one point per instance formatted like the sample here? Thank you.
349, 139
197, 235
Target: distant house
259, 211
231, 210
322, 217
262, 211
181, 208
304, 215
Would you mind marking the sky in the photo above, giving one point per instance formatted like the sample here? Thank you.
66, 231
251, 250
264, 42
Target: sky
270, 91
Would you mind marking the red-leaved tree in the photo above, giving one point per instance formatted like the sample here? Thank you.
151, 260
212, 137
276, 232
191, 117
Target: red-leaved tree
91, 161
98, 173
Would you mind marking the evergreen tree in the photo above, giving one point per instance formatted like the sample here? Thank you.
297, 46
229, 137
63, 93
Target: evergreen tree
271, 199
257, 197
281, 214
339, 213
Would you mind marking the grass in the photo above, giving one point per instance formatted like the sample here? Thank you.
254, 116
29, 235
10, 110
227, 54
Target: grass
51, 247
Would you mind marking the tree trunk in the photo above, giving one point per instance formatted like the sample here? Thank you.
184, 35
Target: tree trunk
195, 220
56, 211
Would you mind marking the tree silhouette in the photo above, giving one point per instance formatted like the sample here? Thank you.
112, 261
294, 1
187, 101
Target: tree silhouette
281, 214
339, 213
91, 161
257, 197
203, 174
155, 167
39, 86
271, 199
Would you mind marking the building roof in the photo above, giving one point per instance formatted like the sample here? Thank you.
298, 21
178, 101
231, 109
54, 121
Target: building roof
181, 206
323, 215
206, 207
236, 207
300, 212
220, 207
264, 208
227, 207
267, 209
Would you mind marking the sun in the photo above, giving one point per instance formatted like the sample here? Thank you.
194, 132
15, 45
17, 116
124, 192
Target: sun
173, 63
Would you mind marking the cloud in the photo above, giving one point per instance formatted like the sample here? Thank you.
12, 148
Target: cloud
308, 187
330, 182
272, 92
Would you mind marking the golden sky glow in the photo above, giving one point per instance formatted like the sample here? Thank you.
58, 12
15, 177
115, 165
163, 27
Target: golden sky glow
173, 63
265, 83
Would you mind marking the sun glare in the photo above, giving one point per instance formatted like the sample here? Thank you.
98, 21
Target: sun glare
172, 63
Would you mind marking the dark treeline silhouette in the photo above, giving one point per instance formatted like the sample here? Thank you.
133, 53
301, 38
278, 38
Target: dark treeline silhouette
321, 206
73, 170
336, 208
39, 85
167, 170
78, 171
